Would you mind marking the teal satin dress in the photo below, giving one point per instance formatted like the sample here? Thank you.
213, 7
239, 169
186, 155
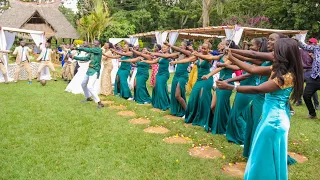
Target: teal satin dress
268, 156
141, 94
198, 108
123, 73
253, 114
160, 96
222, 110
236, 127
181, 78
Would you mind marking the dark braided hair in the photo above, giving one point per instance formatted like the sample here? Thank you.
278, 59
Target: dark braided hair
288, 60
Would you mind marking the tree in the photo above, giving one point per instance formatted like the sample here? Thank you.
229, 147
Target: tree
91, 26
207, 6
69, 14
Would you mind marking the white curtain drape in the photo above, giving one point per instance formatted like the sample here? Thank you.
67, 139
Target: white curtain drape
133, 40
238, 35
301, 37
164, 36
37, 38
9, 39
3, 46
158, 37
173, 36
234, 34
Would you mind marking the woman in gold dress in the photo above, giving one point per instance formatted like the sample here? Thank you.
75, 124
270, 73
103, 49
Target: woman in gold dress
106, 84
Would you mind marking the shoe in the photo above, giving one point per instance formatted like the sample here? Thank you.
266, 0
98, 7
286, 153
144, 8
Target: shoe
242, 145
69, 81
292, 113
312, 117
317, 107
55, 80
29, 82
87, 100
298, 103
100, 105
130, 99
183, 117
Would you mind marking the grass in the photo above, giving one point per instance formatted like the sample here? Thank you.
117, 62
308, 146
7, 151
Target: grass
47, 133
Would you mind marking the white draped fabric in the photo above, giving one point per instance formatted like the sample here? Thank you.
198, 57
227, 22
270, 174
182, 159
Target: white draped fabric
301, 37
3, 46
37, 38
117, 40
10, 36
164, 37
158, 37
234, 34
173, 36
133, 40
161, 37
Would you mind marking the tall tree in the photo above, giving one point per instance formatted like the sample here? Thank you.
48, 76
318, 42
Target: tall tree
207, 6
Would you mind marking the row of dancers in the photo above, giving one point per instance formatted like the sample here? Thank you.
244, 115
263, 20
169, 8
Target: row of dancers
259, 117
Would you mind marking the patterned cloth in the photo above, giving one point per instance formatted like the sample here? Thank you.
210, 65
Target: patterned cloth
315, 49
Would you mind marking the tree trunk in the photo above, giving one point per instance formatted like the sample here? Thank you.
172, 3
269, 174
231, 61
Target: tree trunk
205, 12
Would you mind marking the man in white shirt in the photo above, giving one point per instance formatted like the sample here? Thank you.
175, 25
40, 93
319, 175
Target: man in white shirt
2, 66
45, 59
22, 60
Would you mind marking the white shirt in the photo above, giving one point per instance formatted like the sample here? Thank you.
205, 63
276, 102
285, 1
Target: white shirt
24, 54
46, 54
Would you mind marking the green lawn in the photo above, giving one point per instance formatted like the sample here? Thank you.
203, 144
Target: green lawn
47, 133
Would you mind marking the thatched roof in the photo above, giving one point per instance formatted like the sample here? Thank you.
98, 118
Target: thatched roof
20, 13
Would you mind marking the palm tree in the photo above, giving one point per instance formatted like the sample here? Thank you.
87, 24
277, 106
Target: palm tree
91, 26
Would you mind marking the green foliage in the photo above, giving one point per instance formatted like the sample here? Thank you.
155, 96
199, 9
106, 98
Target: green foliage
69, 14
136, 16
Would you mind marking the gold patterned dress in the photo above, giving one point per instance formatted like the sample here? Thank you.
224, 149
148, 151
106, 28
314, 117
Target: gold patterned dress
106, 84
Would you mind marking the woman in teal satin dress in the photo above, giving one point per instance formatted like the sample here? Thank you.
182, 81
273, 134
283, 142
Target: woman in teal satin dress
160, 95
178, 103
141, 94
198, 108
222, 108
254, 111
239, 115
268, 156
121, 86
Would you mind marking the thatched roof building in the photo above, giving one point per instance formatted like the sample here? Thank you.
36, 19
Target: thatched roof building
39, 17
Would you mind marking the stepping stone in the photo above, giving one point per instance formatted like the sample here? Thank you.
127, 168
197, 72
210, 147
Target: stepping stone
139, 121
107, 102
177, 140
117, 107
298, 157
188, 125
156, 130
126, 113
170, 117
235, 169
157, 110
206, 152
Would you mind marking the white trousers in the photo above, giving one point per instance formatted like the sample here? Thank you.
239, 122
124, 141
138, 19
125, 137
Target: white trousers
88, 87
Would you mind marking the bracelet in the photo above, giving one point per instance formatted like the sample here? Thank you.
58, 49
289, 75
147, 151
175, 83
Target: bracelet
235, 87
